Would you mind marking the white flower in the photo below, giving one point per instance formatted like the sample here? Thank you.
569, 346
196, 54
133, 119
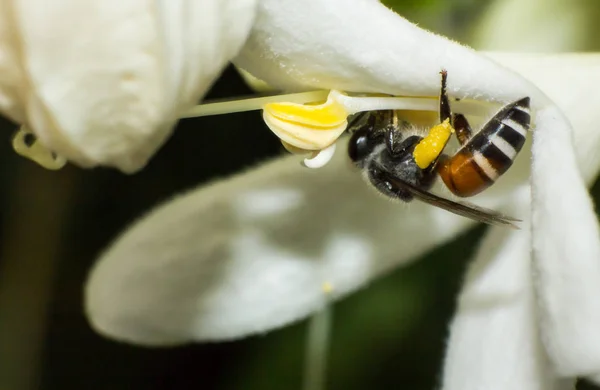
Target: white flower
252, 253
103, 83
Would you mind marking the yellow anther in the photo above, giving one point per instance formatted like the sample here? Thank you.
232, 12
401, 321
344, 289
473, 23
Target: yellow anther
305, 126
27, 145
329, 114
433, 144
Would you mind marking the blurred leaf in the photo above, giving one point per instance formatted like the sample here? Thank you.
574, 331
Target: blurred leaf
403, 5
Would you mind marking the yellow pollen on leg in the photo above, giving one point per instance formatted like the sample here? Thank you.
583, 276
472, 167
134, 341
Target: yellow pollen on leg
433, 144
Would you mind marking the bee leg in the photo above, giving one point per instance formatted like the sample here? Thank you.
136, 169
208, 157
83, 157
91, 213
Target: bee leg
445, 111
366, 121
429, 175
399, 146
357, 121
463, 129
386, 121
393, 140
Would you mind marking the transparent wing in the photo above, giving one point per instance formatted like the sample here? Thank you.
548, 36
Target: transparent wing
464, 209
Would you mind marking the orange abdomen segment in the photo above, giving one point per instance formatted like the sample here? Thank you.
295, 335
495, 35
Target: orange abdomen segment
462, 175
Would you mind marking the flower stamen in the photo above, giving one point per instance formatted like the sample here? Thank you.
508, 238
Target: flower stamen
307, 127
306, 122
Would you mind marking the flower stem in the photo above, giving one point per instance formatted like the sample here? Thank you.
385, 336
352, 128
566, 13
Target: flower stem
353, 104
317, 348
239, 105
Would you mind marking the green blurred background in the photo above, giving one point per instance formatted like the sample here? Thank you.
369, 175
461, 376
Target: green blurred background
54, 224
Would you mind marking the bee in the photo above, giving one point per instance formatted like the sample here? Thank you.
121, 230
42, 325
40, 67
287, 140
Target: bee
403, 165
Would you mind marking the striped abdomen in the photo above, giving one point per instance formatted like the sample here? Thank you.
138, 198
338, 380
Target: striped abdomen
489, 153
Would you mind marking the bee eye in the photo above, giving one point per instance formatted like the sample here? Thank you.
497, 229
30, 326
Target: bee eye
359, 145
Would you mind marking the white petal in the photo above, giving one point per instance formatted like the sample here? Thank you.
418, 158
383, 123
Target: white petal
494, 340
566, 248
363, 46
566, 252
11, 77
106, 87
253, 252
565, 287
200, 37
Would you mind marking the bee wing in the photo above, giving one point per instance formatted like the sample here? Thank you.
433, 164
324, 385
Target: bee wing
463, 209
